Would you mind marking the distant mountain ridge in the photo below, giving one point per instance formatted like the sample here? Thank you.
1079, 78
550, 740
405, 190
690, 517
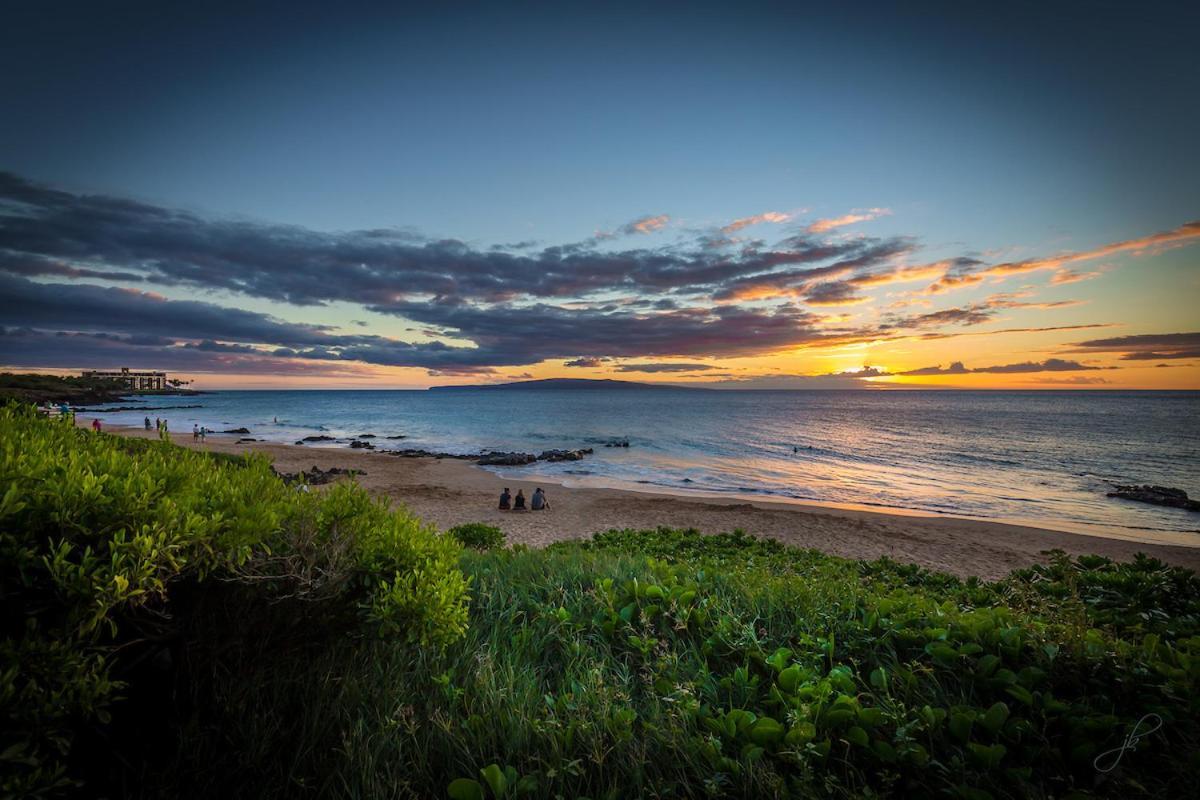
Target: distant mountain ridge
565, 384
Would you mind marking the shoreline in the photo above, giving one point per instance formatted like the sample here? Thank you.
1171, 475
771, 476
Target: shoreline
448, 492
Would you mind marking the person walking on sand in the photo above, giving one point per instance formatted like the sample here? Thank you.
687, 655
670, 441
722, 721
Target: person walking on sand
163, 433
96, 425
519, 502
539, 501
203, 432
158, 424
195, 432
505, 500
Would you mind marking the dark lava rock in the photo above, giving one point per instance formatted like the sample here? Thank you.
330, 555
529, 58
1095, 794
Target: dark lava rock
507, 459
240, 441
1156, 495
397, 436
410, 453
321, 438
237, 430
563, 455
618, 443
317, 476
360, 445
366, 436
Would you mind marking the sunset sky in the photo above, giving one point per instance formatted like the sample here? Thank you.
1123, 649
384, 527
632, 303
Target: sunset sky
771, 196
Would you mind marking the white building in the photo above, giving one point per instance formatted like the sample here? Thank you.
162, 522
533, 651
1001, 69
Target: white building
138, 381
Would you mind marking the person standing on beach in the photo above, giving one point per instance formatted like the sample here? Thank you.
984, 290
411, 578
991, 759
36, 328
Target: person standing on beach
158, 425
163, 433
539, 501
147, 423
519, 502
505, 500
96, 425
195, 431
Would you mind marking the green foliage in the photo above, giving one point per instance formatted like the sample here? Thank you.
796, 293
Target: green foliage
638, 664
100, 537
666, 664
478, 536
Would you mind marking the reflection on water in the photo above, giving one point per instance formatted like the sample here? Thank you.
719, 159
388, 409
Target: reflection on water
1042, 457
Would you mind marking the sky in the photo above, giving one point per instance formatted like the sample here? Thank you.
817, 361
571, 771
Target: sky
739, 195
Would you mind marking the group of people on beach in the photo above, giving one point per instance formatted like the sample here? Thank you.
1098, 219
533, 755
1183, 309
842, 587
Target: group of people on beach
510, 503
161, 426
199, 432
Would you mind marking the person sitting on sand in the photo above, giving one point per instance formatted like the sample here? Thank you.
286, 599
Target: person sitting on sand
505, 500
539, 500
519, 502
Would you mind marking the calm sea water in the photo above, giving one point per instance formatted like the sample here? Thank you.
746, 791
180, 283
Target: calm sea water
1045, 458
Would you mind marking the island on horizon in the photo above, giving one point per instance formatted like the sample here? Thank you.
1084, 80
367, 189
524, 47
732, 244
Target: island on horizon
571, 384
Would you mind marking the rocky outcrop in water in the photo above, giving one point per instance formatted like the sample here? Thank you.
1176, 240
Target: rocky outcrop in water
317, 476
412, 453
507, 459
316, 439
617, 443
237, 430
1156, 495
564, 455
358, 444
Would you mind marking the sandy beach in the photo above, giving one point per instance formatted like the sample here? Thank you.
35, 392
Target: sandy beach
448, 492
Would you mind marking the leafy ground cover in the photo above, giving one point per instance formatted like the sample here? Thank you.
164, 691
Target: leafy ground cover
113, 551
653, 664
669, 664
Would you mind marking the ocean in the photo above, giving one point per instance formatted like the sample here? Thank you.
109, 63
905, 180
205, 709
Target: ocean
1043, 458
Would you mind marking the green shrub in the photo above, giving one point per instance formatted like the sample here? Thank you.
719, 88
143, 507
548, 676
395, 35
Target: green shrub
107, 545
668, 664
478, 536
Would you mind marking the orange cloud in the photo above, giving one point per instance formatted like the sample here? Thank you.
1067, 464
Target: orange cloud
745, 222
947, 283
1071, 276
650, 224
1172, 238
826, 225
903, 274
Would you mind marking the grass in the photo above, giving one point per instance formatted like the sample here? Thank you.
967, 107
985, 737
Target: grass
656, 663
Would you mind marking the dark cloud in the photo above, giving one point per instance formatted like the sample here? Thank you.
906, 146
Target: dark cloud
1049, 365
44, 231
589, 363
1146, 347
85, 307
73, 350
833, 293
976, 314
666, 367
955, 368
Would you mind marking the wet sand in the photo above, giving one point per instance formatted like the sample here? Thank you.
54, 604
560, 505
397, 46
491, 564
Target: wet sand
448, 492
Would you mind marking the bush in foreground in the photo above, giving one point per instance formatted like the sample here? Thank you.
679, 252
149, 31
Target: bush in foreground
728, 666
113, 552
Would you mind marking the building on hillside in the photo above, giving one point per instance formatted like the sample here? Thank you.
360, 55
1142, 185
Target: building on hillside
141, 381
